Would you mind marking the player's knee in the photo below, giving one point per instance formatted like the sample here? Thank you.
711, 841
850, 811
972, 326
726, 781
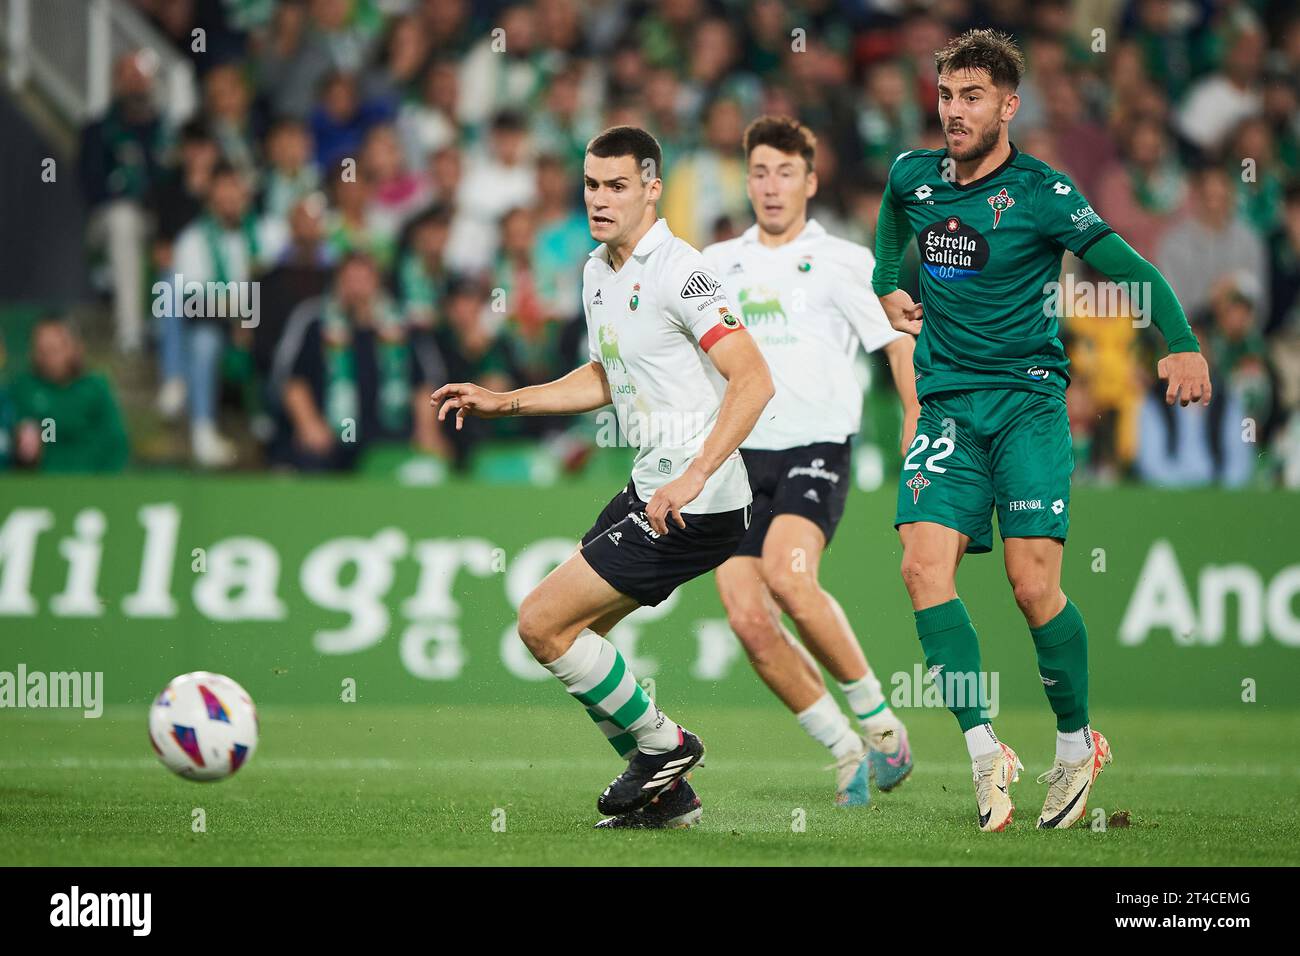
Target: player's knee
756, 629
533, 628
794, 590
1033, 591
922, 578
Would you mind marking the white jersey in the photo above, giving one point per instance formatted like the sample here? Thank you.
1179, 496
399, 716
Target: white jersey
807, 304
649, 325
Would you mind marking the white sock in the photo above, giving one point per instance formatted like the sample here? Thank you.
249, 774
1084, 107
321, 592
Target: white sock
827, 724
1075, 745
867, 701
981, 741
585, 667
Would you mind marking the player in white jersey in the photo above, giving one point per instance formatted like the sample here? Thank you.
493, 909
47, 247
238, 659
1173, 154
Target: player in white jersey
806, 299
688, 384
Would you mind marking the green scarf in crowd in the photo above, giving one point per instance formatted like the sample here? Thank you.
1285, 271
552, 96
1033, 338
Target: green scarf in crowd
342, 402
212, 232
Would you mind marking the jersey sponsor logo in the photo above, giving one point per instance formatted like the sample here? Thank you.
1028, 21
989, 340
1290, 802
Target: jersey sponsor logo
639, 519
924, 192
1058, 506
1038, 373
1000, 203
952, 251
699, 285
615, 536
811, 495
815, 469
1061, 189
597, 300
918, 483
761, 306
714, 301
736, 269
665, 466
1026, 504
609, 356
1084, 218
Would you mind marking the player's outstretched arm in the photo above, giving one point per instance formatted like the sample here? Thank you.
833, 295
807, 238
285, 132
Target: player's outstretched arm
582, 390
892, 233
1184, 368
749, 388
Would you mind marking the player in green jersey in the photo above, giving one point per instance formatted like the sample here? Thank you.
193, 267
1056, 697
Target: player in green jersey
991, 224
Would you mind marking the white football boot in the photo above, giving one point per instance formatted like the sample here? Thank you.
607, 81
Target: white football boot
994, 775
1068, 786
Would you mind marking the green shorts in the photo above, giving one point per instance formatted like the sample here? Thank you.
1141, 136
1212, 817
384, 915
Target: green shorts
998, 447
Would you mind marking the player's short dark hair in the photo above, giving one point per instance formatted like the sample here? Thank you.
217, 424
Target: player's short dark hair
783, 134
629, 141
992, 51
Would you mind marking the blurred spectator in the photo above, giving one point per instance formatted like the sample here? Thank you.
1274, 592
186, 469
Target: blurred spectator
1217, 103
67, 418
708, 182
1252, 159
228, 107
1142, 196
503, 70
498, 180
533, 330
396, 192
291, 172
355, 224
1238, 351
422, 274
224, 245
177, 201
1209, 243
120, 160
6, 430
889, 120
473, 351
429, 123
1184, 447
400, 62
351, 376
311, 39
1284, 247
563, 239
300, 272
340, 123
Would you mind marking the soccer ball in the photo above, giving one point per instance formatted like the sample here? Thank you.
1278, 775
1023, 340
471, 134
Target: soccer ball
203, 726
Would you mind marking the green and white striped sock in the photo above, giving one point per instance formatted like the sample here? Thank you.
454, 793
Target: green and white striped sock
867, 701
594, 672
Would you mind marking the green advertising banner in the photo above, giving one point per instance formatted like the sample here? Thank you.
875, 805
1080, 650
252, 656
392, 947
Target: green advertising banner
299, 588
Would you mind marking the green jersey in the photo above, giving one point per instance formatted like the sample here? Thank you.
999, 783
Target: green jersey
990, 258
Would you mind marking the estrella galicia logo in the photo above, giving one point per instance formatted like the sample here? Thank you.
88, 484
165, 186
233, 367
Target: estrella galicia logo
1037, 372
953, 251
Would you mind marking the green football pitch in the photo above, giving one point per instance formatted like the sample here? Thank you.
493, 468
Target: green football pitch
478, 785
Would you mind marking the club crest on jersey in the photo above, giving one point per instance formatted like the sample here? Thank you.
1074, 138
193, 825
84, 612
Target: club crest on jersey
633, 302
805, 264
699, 285
918, 483
1000, 203
729, 320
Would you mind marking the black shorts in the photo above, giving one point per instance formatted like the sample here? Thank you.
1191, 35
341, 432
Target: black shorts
811, 481
646, 566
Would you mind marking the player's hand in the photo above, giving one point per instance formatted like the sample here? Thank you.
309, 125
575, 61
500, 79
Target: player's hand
469, 399
903, 314
671, 498
1188, 375
911, 416
316, 436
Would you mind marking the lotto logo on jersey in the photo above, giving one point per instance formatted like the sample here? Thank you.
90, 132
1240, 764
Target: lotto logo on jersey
699, 285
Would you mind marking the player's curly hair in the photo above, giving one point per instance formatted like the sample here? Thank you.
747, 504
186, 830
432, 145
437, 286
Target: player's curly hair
992, 51
783, 134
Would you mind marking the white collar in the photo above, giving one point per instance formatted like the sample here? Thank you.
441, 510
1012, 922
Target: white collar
812, 229
655, 237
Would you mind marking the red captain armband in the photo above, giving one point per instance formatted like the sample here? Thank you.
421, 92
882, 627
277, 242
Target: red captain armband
727, 324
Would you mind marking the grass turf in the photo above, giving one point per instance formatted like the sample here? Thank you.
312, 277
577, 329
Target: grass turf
358, 785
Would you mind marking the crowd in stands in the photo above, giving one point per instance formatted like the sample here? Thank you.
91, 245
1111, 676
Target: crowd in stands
402, 180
